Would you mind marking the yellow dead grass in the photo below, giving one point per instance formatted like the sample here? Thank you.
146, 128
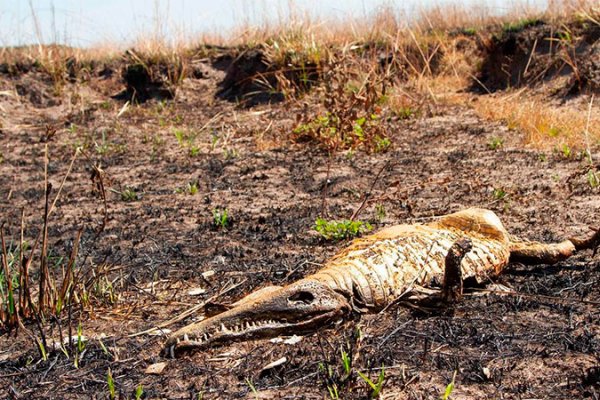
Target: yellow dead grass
544, 125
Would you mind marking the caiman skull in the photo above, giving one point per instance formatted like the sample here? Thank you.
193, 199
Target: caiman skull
300, 307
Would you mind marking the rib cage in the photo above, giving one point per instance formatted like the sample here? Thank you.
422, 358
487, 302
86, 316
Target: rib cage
379, 269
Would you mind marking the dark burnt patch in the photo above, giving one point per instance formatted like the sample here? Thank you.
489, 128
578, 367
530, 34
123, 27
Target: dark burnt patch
38, 92
541, 341
534, 52
144, 82
252, 78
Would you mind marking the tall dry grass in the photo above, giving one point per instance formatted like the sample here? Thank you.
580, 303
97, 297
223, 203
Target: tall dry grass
297, 38
543, 125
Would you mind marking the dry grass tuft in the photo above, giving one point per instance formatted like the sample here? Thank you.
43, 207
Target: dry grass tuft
543, 125
430, 58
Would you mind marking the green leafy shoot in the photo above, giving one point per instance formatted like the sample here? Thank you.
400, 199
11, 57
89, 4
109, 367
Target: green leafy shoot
593, 179
139, 391
449, 388
80, 339
43, 352
343, 229
380, 212
252, 387
111, 385
103, 347
346, 362
375, 386
566, 151
221, 218
499, 193
191, 188
495, 143
128, 194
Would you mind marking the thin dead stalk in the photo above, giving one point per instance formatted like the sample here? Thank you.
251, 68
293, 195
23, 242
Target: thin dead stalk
368, 194
587, 131
187, 312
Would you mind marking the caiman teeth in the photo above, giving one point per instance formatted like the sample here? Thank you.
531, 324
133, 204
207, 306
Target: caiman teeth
186, 337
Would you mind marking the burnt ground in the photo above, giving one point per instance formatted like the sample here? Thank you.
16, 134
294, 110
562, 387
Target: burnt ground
542, 342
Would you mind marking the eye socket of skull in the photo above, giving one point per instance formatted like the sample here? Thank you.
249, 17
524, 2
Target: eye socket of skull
302, 297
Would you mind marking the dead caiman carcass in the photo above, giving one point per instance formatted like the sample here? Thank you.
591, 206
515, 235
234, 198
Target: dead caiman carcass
375, 271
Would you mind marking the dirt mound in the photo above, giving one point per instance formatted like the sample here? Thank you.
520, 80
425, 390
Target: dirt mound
252, 78
532, 53
39, 94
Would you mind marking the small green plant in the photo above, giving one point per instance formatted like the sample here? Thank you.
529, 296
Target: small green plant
194, 151
346, 362
252, 387
382, 144
449, 388
157, 143
181, 136
221, 218
343, 229
514, 27
404, 112
469, 31
139, 392
553, 131
214, 140
230, 154
593, 179
353, 115
380, 212
178, 119
103, 147
129, 195
80, 339
191, 188
566, 151
104, 289
333, 392
565, 36
103, 347
375, 386
111, 385
587, 155
542, 157
187, 140
332, 386
42, 348
499, 194
495, 143
80, 346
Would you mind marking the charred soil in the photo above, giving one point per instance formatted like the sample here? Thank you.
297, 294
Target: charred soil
170, 167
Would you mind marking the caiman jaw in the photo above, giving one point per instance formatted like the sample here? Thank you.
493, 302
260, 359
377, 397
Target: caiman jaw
299, 307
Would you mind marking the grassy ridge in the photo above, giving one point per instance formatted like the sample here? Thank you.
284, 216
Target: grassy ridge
403, 65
